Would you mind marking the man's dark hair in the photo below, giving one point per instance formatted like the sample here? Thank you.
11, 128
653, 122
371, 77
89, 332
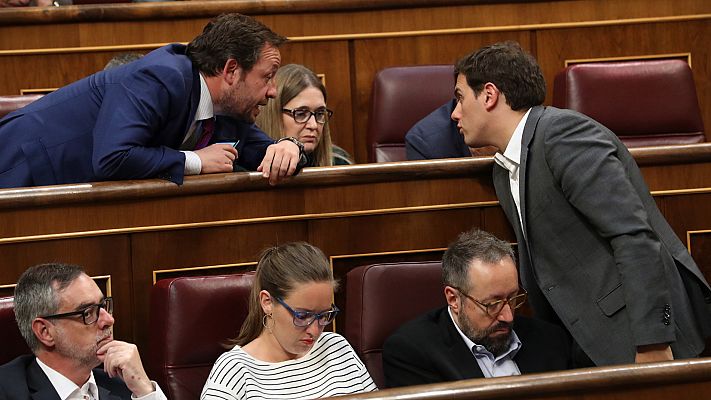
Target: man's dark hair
228, 36
469, 246
37, 293
121, 59
514, 72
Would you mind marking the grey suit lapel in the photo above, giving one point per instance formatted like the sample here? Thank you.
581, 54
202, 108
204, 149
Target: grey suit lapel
528, 130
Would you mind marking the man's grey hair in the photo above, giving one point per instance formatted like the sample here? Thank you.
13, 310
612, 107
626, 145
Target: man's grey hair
469, 246
36, 294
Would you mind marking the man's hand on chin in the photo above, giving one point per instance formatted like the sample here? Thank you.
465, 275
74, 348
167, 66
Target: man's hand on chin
121, 359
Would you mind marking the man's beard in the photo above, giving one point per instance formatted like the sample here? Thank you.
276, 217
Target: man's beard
84, 357
230, 102
496, 345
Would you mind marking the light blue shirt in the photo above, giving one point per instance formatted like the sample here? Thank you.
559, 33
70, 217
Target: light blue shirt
491, 366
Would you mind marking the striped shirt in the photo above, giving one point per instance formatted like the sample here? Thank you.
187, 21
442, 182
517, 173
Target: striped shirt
330, 368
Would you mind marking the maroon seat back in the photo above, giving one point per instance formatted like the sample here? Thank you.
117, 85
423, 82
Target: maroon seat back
401, 97
11, 342
380, 298
191, 318
9, 104
646, 103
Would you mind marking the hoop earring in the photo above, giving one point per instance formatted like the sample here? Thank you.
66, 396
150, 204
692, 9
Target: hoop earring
264, 322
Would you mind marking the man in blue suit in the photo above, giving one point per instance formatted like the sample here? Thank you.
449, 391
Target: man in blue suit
436, 136
164, 116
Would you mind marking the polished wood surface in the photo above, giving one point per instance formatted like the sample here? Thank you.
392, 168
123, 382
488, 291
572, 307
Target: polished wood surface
687, 380
138, 231
350, 40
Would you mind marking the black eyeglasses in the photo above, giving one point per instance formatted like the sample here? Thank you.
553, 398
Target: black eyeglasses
303, 319
89, 314
495, 307
301, 115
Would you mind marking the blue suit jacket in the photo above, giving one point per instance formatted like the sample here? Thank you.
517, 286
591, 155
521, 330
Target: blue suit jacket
124, 123
23, 379
436, 136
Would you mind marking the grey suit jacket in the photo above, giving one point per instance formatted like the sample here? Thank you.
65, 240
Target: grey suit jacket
597, 254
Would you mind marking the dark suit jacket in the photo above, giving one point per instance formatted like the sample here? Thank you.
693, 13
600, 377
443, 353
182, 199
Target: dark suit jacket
23, 379
436, 136
597, 249
429, 349
123, 123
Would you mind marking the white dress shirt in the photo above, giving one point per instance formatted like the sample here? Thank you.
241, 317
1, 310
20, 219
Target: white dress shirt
511, 161
205, 110
68, 390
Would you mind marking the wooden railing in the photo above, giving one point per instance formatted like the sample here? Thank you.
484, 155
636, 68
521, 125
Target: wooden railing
678, 380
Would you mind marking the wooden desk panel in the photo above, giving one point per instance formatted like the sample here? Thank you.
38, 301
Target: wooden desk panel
360, 214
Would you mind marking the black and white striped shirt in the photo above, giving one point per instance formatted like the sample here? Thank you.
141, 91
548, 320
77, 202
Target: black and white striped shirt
330, 368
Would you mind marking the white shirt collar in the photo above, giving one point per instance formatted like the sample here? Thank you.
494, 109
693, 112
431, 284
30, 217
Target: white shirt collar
205, 108
511, 158
63, 385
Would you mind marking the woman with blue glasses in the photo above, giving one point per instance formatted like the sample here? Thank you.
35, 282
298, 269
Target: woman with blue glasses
282, 351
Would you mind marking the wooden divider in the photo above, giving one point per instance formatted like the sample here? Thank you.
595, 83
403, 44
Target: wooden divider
137, 231
350, 40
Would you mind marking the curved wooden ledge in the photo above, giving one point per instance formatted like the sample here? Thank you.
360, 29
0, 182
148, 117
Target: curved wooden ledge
206, 9
242, 181
309, 177
583, 382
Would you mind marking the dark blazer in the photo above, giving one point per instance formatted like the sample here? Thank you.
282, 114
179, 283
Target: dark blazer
436, 136
597, 249
123, 123
429, 349
23, 379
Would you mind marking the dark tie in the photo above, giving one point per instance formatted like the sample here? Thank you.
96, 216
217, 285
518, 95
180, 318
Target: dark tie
208, 127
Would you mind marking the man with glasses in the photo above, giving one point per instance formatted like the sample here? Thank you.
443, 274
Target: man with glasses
67, 323
473, 337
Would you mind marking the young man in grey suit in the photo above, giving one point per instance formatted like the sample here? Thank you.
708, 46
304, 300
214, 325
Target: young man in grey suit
595, 251
67, 322
476, 335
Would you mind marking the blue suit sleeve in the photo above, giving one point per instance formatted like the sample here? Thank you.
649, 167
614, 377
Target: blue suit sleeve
252, 147
415, 147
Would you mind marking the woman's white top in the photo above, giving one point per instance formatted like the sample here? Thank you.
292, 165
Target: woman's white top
330, 368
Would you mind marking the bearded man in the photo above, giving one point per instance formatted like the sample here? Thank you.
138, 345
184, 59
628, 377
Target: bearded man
67, 323
474, 336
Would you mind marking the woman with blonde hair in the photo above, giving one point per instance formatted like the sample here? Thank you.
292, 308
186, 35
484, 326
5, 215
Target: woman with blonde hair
299, 111
282, 351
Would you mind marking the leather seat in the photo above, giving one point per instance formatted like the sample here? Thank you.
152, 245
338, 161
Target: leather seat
9, 104
646, 103
401, 97
380, 298
12, 344
191, 318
